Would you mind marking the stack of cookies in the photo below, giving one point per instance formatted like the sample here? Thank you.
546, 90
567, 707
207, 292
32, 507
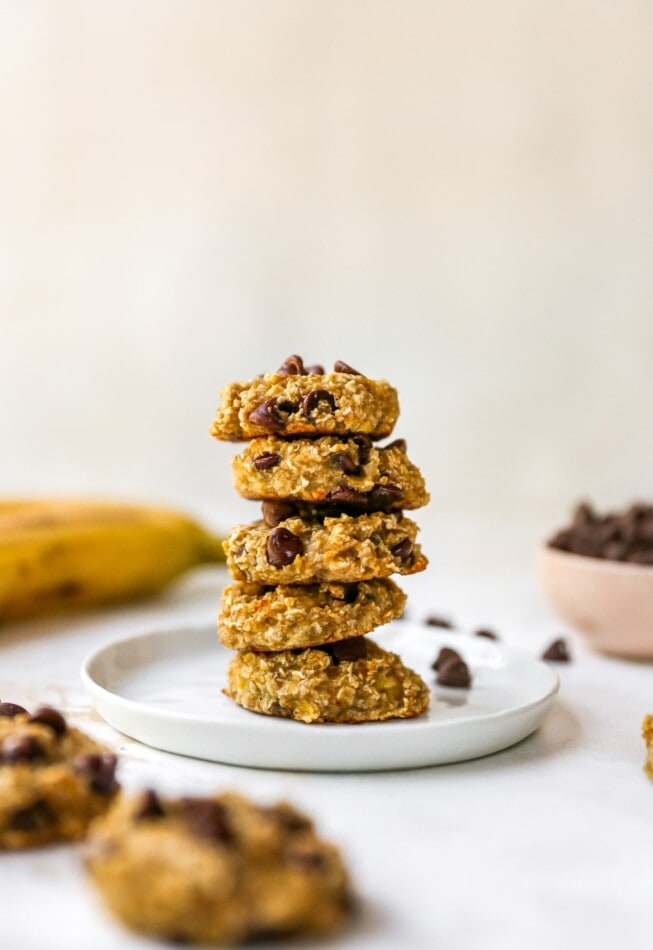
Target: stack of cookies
313, 576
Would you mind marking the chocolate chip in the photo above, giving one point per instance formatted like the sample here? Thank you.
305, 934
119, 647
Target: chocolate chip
206, 818
283, 547
445, 655
454, 673
350, 593
434, 621
403, 550
11, 710
274, 512
364, 445
348, 496
616, 536
557, 652
340, 367
312, 400
47, 716
266, 461
398, 444
488, 634
21, 749
354, 648
35, 817
100, 770
345, 463
293, 366
316, 370
272, 414
384, 496
149, 806
289, 819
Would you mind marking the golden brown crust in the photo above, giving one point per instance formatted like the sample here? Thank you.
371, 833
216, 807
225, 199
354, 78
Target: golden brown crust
49, 798
219, 870
310, 686
311, 470
254, 617
647, 732
355, 404
339, 550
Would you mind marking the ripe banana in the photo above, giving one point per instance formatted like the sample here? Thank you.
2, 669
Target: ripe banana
60, 555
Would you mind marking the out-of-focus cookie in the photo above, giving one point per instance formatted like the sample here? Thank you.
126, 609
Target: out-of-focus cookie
299, 401
217, 870
347, 471
54, 779
341, 550
349, 681
255, 617
647, 732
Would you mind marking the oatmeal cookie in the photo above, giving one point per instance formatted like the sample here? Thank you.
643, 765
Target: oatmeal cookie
348, 681
53, 779
216, 870
294, 401
254, 617
339, 550
647, 732
349, 471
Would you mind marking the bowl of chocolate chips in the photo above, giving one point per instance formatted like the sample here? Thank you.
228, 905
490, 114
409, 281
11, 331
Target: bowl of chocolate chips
597, 574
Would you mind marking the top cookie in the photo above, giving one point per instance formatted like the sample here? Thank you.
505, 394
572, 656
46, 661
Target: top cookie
299, 401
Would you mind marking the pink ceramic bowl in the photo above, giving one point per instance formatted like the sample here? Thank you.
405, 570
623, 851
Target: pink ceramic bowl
611, 602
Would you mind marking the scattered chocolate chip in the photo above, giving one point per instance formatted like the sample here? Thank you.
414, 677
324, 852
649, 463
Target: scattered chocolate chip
445, 655
403, 550
345, 463
316, 370
488, 634
434, 621
100, 770
557, 652
454, 673
354, 648
293, 366
21, 749
283, 547
35, 817
11, 710
274, 512
47, 716
364, 445
397, 444
267, 416
206, 818
312, 400
384, 496
266, 461
340, 367
149, 806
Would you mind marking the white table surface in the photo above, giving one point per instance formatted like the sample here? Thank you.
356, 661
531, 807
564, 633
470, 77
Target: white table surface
546, 845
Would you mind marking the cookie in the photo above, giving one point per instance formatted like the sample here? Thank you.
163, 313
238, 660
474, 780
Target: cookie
254, 617
218, 870
348, 681
349, 471
338, 550
53, 779
647, 733
292, 402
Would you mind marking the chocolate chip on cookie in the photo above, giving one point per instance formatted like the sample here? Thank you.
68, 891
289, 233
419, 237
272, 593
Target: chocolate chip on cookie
340, 367
52, 718
283, 547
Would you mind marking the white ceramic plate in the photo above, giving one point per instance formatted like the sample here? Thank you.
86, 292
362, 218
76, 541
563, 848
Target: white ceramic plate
165, 689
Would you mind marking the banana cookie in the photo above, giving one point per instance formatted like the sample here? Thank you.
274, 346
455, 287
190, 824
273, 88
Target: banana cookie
349, 681
349, 471
306, 401
53, 779
338, 550
254, 617
217, 870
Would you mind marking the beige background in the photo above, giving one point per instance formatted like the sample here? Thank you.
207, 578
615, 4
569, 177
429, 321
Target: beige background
458, 196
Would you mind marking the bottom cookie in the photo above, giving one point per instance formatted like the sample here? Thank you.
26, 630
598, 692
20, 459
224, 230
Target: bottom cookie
218, 870
349, 681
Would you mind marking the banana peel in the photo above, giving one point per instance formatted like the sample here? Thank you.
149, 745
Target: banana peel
60, 555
